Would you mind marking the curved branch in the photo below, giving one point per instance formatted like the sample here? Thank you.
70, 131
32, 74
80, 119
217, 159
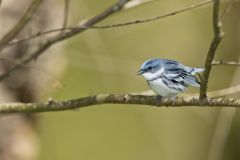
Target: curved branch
218, 33
115, 99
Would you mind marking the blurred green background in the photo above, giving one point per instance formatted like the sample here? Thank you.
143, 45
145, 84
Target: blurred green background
105, 61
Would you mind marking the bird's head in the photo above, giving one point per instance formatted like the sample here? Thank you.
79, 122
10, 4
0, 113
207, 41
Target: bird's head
151, 69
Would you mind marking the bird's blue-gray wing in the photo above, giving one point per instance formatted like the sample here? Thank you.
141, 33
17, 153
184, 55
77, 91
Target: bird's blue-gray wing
178, 73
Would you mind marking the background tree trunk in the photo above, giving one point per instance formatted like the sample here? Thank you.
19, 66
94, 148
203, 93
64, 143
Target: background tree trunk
18, 138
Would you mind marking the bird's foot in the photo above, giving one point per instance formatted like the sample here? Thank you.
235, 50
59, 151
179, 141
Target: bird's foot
173, 98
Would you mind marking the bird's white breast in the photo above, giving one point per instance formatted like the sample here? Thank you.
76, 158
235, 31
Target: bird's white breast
161, 89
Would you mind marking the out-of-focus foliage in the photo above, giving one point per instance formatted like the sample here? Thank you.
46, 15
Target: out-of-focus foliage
105, 61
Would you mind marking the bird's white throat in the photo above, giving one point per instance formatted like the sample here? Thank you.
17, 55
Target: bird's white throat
150, 76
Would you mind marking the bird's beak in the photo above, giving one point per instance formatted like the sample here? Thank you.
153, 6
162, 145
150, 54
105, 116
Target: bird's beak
140, 72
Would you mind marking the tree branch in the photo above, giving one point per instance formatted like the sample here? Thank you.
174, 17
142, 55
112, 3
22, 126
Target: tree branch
218, 33
68, 34
27, 16
154, 18
109, 26
115, 99
66, 13
230, 63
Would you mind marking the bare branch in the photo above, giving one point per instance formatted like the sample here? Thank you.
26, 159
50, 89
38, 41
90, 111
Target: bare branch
27, 16
115, 99
218, 33
68, 34
154, 18
108, 26
66, 13
39, 34
230, 63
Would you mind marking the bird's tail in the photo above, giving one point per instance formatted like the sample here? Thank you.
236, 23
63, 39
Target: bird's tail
197, 70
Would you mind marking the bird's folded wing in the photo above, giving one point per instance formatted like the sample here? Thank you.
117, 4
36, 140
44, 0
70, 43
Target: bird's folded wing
179, 74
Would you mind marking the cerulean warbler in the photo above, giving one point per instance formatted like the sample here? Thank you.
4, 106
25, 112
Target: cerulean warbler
168, 77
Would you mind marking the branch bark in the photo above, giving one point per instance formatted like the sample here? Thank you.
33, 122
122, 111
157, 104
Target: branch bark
115, 99
68, 34
218, 33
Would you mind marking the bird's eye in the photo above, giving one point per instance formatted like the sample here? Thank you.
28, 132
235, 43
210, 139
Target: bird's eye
149, 68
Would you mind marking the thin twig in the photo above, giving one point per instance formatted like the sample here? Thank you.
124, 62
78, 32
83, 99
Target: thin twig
39, 34
218, 33
108, 26
27, 16
154, 18
66, 13
230, 63
115, 99
60, 37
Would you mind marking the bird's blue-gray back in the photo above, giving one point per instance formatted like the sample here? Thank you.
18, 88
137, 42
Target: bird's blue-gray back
180, 73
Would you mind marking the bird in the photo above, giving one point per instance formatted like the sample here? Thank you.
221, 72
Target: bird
167, 78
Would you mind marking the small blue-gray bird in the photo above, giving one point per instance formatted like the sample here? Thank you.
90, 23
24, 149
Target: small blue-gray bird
167, 78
